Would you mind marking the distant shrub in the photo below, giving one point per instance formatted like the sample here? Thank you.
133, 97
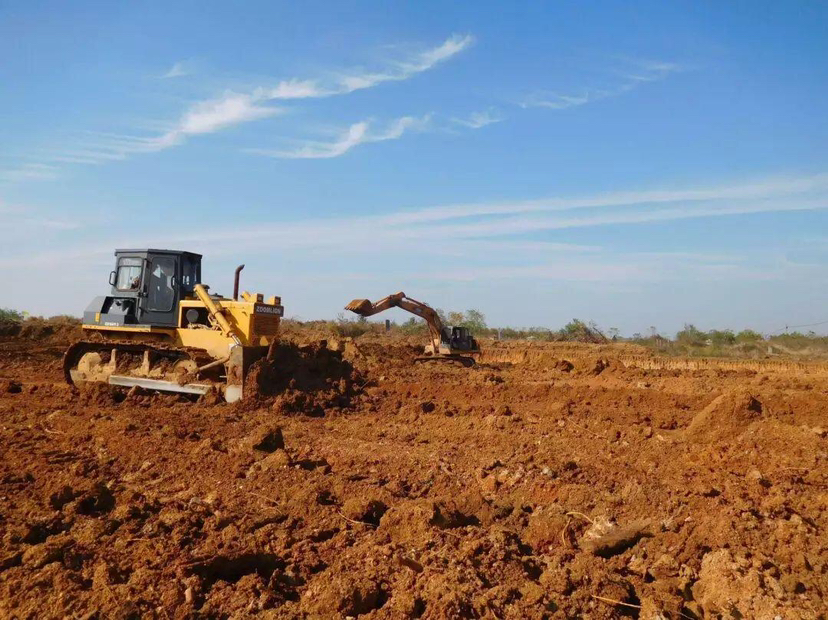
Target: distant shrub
579, 331
691, 336
412, 326
748, 335
351, 327
8, 315
721, 337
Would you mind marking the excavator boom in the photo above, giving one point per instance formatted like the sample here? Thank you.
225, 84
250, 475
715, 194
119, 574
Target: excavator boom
446, 342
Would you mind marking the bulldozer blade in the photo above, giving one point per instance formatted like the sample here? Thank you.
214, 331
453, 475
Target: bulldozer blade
240, 360
359, 306
159, 385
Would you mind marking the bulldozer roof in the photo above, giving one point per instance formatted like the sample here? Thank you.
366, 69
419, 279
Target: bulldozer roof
154, 251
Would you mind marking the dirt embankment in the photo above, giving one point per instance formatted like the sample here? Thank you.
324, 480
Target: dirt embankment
561, 484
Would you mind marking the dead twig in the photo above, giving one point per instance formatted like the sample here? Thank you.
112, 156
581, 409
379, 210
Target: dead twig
51, 431
356, 522
586, 430
563, 533
614, 602
580, 514
264, 497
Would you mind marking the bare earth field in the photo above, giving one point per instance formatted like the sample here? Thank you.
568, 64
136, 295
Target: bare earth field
549, 481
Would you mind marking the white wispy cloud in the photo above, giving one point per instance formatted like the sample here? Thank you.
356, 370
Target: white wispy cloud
356, 134
476, 120
636, 73
235, 108
482, 230
179, 69
18, 220
346, 82
770, 188
30, 171
213, 115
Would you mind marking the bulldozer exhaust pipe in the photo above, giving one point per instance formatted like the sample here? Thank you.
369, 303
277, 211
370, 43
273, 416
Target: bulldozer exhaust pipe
236, 282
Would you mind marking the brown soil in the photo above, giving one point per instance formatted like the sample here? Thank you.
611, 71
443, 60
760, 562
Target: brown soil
549, 481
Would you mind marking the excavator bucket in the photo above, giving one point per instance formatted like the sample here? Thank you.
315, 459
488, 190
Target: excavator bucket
360, 306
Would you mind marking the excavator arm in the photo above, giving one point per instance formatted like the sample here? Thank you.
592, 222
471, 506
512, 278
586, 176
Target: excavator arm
364, 307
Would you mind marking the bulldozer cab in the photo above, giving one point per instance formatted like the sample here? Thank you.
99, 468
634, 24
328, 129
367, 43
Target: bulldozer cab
148, 284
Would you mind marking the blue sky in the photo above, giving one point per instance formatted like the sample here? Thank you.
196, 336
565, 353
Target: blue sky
639, 165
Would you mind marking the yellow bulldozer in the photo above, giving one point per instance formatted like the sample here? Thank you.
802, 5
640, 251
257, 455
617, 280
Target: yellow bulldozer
448, 343
161, 329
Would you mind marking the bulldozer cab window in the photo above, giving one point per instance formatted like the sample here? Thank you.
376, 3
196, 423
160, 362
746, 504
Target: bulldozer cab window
129, 274
189, 275
161, 294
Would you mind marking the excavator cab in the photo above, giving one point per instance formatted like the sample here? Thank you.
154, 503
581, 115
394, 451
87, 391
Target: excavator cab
459, 339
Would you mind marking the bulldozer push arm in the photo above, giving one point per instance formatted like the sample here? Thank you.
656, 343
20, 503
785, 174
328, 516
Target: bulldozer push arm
216, 313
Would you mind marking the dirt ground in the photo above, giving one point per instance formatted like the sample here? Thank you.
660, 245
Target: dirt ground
549, 481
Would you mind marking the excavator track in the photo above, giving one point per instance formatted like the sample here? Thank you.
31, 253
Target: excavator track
130, 364
463, 360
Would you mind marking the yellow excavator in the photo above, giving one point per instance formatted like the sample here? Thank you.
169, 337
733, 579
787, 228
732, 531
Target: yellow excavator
448, 343
161, 329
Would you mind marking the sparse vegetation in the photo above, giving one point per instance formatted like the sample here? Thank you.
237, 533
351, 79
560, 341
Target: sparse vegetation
7, 315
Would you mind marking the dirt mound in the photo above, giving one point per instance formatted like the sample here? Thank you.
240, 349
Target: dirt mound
308, 379
55, 329
735, 409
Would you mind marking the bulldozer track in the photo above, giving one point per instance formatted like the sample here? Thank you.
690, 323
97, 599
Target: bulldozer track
77, 350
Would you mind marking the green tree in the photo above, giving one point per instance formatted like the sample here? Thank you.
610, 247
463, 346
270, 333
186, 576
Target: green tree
7, 315
721, 337
748, 335
691, 336
455, 318
474, 320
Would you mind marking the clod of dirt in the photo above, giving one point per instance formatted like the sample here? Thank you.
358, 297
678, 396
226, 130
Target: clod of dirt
45, 553
605, 538
268, 439
736, 408
504, 410
600, 366
364, 510
564, 365
61, 497
274, 461
727, 587
427, 406
232, 567
351, 594
10, 386
410, 521
98, 501
492, 378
